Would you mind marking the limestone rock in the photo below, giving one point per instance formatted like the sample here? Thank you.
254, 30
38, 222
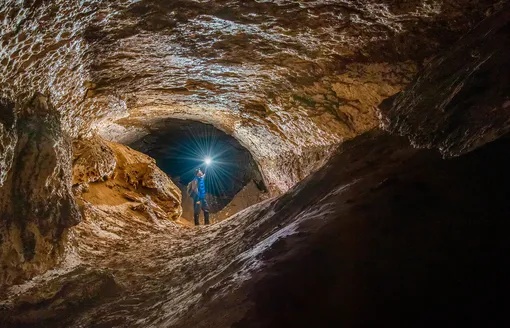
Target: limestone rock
36, 201
92, 161
462, 98
54, 300
132, 196
152, 210
248, 196
128, 176
8, 137
265, 71
289, 79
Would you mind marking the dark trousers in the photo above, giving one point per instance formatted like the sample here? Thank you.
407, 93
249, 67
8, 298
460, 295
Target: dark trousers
200, 204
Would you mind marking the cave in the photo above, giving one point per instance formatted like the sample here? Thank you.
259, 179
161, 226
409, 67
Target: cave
182, 146
358, 176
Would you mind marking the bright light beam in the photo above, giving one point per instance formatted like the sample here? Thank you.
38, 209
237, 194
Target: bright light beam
208, 161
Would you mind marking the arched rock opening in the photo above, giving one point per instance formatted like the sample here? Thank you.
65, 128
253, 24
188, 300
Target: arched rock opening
233, 182
377, 233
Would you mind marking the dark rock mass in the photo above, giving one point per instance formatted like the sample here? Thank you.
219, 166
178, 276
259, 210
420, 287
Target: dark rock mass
355, 157
461, 100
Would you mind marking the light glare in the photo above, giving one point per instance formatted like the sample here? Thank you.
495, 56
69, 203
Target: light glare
208, 161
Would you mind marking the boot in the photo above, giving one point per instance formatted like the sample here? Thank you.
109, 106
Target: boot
197, 221
206, 217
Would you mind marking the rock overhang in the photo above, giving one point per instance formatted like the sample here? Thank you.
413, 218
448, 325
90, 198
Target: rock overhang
289, 79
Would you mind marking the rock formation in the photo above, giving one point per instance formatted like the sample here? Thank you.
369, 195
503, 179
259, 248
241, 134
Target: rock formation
365, 227
470, 85
36, 202
106, 173
288, 79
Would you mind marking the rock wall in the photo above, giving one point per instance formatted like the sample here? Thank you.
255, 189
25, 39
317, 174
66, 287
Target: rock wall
248, 196
42, 173
383, 235
36, 202
288, 79
106, 173
288, 92
461, 100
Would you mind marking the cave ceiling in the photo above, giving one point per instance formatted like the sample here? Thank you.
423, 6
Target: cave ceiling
286, 78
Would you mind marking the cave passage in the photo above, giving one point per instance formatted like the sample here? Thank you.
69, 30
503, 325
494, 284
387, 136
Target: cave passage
182, 146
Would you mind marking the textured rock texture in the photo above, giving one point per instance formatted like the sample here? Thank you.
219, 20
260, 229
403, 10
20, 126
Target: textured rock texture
78, 289
36, 202
461, 100
383, 235
93, 161
106, 173
248, 196
288, 79
383, 226
7, 137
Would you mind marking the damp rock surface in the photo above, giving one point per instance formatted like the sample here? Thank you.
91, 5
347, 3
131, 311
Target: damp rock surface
380, 219
365, 230
36, 202
461, 100
288, 79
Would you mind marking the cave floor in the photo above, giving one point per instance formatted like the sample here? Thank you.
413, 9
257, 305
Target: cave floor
383, 234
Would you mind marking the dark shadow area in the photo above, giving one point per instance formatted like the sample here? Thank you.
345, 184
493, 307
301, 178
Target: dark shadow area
181, 146
417, 241
395, 237
384, 235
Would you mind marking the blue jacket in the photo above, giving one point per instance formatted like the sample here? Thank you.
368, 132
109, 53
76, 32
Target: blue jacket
201, 186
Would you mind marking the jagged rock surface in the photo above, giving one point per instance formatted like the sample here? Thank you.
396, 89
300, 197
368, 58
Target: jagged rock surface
384, 234
289, 79
462, 98
107, 173
93, 160
382, 224
36, 201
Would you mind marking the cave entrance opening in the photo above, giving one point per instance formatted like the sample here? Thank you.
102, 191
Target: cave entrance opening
233, 180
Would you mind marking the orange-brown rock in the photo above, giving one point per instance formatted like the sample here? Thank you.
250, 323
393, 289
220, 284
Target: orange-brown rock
36, 202
369, 231
288, 79
93, 160
115, 174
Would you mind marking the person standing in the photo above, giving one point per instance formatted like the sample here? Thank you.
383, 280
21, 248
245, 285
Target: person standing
196, 189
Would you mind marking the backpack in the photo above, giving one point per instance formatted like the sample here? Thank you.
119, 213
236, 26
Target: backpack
192, 188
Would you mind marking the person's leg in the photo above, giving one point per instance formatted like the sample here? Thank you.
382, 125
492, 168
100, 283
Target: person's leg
196, 212
205, 208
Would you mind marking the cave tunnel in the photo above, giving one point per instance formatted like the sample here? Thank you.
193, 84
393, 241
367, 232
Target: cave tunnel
182, 146
359, 173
